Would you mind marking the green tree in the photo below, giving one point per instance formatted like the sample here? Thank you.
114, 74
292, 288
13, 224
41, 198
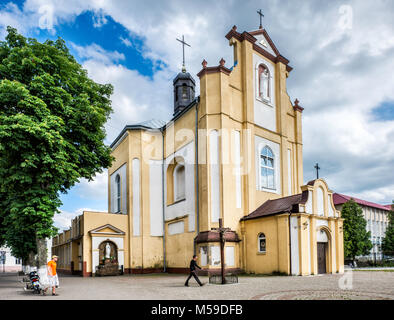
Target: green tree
52, 118
388, 241
355, 236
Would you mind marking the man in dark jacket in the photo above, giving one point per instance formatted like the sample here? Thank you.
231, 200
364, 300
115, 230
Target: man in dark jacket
193, 265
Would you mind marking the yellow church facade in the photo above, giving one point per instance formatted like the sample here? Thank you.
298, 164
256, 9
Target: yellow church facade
233, 153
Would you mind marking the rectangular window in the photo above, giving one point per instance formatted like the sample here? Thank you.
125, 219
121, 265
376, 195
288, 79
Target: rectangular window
215, 256
204, 255
230, 256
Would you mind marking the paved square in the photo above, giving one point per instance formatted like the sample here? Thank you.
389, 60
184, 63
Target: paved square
365, 285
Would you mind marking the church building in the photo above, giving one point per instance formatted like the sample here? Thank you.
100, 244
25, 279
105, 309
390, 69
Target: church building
234, 153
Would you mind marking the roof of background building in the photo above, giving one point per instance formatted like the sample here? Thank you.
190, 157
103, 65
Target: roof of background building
341, 199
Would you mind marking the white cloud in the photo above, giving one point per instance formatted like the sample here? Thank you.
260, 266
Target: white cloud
97, 188
97, 53
126, 41
136, 97
63, 219
99, 19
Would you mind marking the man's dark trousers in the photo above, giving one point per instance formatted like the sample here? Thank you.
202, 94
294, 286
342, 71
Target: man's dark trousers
193, 266
193, 274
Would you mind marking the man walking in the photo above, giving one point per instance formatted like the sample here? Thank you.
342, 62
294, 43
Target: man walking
193, 265
52, 276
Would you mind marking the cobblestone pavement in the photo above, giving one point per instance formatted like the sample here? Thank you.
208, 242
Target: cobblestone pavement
363, 285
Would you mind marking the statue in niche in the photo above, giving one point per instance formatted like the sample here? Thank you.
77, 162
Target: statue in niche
107, 251
264, 78
108, 257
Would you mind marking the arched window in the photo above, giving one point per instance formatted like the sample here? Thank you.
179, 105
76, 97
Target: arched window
179, 182
261, 243
184, 92
264, 82
267, 169
117, 183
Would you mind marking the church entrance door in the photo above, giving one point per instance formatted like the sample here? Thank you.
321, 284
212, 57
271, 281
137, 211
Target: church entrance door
321, 257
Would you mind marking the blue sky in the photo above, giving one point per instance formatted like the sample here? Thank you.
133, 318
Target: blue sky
111, 36
341, 72
385, 111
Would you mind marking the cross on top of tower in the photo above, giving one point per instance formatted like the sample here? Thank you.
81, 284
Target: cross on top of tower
261, 18
317, 170
183, 51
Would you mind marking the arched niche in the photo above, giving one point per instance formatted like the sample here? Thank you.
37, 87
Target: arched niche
108, 252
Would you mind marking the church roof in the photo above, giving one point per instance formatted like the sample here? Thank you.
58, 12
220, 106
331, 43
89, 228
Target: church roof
212, 236
184, 76
278, 206
152, 124
342, 198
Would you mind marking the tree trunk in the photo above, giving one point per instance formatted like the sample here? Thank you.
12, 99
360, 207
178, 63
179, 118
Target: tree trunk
41, 252
29, 263
42, 261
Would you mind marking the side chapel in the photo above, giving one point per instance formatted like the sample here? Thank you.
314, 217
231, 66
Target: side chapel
233, 152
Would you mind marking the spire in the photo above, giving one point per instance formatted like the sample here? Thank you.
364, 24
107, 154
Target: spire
183, 51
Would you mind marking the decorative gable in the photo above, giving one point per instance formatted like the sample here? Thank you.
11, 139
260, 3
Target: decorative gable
264, 41
107, 230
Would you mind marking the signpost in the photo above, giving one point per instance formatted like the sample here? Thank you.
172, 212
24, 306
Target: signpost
2, 259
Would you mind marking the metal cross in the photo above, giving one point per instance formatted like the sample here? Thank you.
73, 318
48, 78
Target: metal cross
222, 232
317, 170
183, 50
261, 18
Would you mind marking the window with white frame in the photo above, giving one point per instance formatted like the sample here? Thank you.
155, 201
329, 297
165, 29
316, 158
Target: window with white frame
261, 243
118, 193
179, 182
267, 168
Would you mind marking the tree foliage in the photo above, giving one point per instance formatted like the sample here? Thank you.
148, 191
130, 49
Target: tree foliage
355, 236
388, 241
52, 118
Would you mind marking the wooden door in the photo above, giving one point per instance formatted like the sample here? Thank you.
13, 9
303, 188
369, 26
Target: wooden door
321, 257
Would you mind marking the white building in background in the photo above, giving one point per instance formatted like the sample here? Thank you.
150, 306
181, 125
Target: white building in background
11, 264
377, 218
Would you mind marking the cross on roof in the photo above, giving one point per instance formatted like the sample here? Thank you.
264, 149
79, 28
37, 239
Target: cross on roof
183, 51
317, 170
261, 18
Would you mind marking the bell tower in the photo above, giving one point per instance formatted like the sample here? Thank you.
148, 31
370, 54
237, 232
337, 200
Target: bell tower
184, 91
184, 85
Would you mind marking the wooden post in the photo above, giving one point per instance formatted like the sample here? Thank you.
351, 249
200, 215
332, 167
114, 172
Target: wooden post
222, 240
